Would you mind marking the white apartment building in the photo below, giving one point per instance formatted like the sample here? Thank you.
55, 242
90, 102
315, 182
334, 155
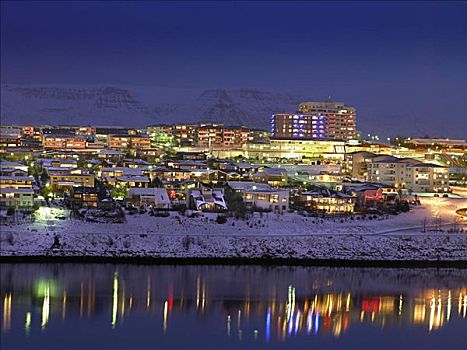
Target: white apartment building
407, 173
16, 197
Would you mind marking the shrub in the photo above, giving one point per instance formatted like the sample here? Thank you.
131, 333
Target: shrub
56, 243
11, 239
186, 242
221, 219
235, 203
161, 213
181, 208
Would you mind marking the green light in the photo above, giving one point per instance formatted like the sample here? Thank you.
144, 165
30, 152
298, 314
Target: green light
45, 308
115, 301
42, 287
27, 324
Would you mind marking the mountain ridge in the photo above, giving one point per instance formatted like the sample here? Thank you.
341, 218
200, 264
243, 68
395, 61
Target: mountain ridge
141, 106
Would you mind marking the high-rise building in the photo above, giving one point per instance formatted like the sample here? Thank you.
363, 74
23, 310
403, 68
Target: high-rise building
340, 119
316, 120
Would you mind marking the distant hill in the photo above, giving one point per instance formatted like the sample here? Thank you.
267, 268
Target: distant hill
141, 106
112, 105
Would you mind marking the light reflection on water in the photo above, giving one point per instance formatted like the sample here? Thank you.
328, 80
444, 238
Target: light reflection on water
266, 305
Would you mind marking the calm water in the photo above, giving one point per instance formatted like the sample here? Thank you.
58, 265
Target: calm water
87, 306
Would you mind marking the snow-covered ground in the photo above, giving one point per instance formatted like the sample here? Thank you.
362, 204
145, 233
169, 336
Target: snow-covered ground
269, 235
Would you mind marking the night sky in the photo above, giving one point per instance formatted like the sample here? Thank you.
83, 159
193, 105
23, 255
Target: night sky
398, 56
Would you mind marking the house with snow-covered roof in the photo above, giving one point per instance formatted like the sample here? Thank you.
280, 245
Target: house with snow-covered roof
272, 176
206, 199
261, 195
132, 181
151, 197
370, 194
6, 164
327, 201
66, 178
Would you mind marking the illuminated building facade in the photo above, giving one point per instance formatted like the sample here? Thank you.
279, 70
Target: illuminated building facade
427, 178
427, 142
402, 173
328, 202
218, 135
209, 135
296, 149
128, 142
261, 195
16, 182
340, 120
184, 133
83, 197
408, 174
10, 137
202, 135
274, 177
316, 120
63, 142
234, 136
376, 148
16, 198
298, 126
68, 178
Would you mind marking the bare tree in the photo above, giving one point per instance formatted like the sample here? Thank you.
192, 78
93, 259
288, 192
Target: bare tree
425, 223
455, 225
437, 222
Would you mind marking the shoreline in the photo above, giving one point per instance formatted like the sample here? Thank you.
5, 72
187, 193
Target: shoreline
408, 249
288, 239
145, 260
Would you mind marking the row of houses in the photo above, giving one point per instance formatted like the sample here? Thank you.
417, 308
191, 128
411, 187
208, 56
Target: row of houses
261, 196
195, 183
192, 179
95, 138
203, 198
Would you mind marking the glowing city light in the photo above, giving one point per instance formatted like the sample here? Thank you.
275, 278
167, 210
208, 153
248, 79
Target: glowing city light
7, 312
165, 313
115, 300
268, 324
27, 323
316, 322
45, 308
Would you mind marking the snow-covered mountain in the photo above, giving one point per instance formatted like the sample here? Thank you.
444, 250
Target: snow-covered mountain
141, 106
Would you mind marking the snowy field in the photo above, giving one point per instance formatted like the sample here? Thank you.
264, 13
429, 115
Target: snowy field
400, 237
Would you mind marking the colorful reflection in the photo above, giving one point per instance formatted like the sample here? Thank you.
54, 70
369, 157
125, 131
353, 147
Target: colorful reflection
277, 312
